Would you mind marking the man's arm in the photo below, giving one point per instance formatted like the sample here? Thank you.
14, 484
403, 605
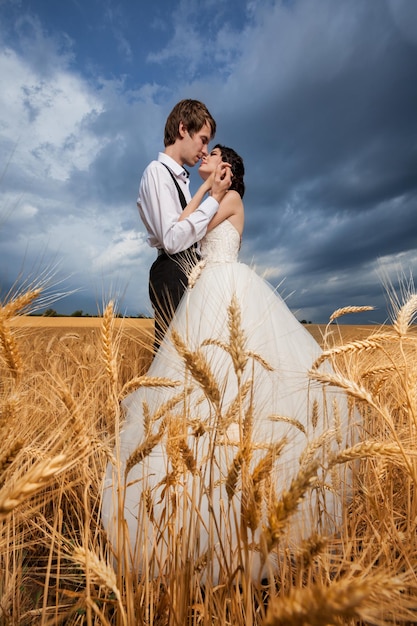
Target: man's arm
160, 209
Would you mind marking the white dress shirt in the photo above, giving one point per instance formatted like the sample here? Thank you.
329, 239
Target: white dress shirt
160, 207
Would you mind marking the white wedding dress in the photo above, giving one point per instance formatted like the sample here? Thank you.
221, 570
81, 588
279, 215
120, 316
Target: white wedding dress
240, 360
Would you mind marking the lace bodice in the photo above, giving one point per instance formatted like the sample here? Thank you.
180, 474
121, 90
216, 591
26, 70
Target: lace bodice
221, 245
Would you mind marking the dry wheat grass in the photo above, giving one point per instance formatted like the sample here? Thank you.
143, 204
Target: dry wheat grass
60, 411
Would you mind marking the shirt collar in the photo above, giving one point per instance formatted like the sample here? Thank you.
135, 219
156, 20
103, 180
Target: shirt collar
175, 167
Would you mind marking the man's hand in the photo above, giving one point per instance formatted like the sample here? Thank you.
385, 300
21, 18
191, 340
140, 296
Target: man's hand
222, 181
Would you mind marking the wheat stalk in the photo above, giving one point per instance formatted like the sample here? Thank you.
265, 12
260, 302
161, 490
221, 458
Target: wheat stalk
288, 420
9, 410
8, 457
350, 386
146, 497
281, 511
247, 430
169, 405
309, 549
10, 350
144, 449
146, 381
69, 337
233, 474
307, 455
339, 602
78, 424
19, 303
187, 456
172, 447
252, 501
360, 393
99, 572
337, 419
109, 353
339, 313
198, 367
147, 418
196, 270
233, 412
383, 370
354, 346
262, 362
368, 449
405, 316
380, 517
37, 477
248, 355
349, 309
264, 466
315, 413
237, 338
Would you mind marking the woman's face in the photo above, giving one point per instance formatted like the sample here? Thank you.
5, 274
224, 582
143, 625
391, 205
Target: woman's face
209, 163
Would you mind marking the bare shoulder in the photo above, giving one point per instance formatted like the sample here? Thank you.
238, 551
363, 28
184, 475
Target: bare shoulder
231, 208
233, 195
232, 200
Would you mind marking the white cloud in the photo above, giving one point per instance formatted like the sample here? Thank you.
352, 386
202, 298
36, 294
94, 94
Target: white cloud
44, 116
124, 248
54, 124
25, 211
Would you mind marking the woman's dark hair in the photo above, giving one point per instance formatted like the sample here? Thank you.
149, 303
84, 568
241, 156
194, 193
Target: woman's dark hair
238, 169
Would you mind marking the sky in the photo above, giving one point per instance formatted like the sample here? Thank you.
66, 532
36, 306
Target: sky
319, 97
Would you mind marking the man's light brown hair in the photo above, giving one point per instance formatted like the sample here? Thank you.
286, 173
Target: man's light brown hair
193, 114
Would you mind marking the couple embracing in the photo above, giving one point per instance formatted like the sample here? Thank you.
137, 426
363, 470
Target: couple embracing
175, 222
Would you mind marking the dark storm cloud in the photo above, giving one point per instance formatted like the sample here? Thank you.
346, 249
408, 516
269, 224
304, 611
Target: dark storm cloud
330, 142
320, 99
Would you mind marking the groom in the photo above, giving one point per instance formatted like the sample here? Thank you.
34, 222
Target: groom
163, 194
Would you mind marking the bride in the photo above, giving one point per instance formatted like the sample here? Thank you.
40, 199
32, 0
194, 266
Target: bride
223, 423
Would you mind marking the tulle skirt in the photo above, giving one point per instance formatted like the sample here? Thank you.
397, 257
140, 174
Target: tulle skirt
224, 423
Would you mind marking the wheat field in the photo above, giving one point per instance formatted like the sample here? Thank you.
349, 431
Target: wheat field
62, 381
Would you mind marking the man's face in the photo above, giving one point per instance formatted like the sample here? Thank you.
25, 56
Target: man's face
193, 148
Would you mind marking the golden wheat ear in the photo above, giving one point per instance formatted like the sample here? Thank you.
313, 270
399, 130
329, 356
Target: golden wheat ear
36, 478
109, 349
10, 350
20, 303
199, 368
350, 600
406, 316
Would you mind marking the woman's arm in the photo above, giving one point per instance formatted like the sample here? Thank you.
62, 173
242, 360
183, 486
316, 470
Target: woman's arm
197, 198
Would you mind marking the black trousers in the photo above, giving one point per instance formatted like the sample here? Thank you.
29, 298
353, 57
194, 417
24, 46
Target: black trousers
167, 283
